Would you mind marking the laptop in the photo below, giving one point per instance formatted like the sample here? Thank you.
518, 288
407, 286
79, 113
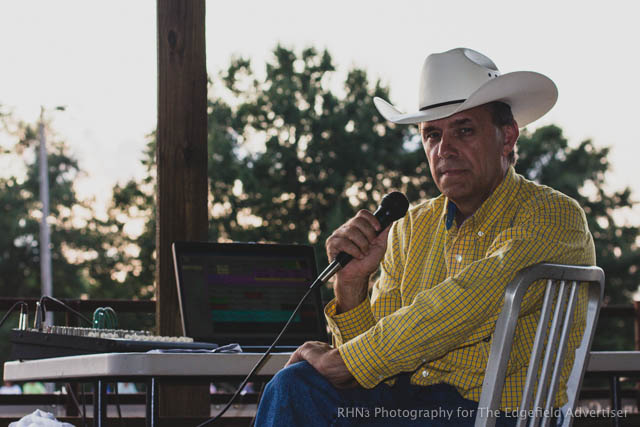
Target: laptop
245, 292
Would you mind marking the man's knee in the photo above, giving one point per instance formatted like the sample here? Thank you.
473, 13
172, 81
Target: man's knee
294, 378
296, 372
297, 395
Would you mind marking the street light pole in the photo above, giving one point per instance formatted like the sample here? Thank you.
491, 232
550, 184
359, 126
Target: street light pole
45, 239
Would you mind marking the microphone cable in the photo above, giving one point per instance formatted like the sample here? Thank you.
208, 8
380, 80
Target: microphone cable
266, 354
392, 207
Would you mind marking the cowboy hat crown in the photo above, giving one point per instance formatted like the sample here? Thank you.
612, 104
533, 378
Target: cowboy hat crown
461, 78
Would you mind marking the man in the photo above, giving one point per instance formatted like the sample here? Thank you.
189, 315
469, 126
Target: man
419, 345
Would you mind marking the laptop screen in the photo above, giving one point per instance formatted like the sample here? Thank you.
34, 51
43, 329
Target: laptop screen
245, 292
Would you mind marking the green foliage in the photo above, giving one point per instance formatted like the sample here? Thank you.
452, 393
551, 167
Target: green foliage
124, 266
91, 256
580, 172
323, 156
20, 221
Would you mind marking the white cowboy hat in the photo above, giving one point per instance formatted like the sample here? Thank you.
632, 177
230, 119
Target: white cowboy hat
461, 78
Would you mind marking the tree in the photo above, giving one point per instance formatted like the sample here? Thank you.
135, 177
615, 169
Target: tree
323, 156
21, 213
580, 172
91, 256
124, 264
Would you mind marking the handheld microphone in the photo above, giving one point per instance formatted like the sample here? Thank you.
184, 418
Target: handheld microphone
392, 207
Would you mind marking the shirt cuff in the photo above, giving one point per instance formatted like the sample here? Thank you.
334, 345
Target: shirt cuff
364, 362
348, 325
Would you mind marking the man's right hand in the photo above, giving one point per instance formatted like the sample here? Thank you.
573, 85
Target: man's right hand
358, 237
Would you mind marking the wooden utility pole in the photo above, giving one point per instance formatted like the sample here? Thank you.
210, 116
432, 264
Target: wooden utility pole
46, 277
181, 169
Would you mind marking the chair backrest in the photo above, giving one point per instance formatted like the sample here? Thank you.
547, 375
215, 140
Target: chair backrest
563, 281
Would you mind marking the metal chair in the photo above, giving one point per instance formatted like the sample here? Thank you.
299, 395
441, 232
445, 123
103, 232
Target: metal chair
566, 280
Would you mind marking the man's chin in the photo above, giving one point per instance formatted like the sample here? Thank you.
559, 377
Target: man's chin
454, 193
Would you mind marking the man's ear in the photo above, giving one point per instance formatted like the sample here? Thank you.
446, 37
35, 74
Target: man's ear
511, 134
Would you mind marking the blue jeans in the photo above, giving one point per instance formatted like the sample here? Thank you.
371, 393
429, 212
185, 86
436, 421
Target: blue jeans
300, 396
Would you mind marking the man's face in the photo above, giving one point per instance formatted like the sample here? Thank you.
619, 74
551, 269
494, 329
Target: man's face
467, 155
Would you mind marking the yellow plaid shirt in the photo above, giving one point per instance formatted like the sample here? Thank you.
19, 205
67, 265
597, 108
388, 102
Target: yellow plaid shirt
433, 310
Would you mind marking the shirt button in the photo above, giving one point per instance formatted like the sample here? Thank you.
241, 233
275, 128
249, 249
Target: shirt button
459, 258
480, 233
425, 374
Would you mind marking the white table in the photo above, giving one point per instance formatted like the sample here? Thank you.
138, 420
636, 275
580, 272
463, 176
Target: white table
148, 367
614, 361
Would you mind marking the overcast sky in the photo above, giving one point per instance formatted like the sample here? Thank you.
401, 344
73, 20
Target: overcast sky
99, 59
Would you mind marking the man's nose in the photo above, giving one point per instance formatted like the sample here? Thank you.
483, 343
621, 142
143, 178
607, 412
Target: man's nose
447, 148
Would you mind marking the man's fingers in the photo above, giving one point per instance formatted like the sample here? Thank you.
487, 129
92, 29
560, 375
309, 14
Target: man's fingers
305, 352
381, 239
326, 360
355, 236
370, 218
348, 246
294, 358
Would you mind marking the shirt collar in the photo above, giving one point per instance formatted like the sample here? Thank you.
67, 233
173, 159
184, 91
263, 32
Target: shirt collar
451, 214
492, 207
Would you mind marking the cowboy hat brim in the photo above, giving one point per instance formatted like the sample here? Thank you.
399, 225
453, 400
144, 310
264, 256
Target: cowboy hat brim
529, 94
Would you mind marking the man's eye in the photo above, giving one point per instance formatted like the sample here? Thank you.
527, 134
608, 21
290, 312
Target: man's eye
432, 136
466, 131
